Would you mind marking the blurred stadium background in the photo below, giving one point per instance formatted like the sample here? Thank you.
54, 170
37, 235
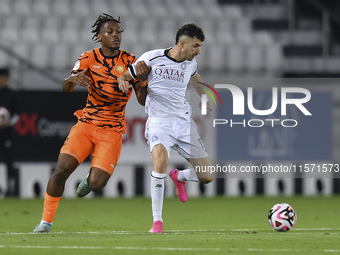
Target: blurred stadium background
260, 39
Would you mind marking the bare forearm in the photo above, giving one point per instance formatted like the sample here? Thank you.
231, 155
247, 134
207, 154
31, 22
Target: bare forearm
141, 93
124, 77
197, 81
68, 85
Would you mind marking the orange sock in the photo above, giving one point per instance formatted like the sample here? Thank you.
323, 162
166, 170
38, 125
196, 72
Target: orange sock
50, 207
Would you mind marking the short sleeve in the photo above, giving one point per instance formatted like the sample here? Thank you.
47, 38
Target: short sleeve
132, 60
132, 68
81, 64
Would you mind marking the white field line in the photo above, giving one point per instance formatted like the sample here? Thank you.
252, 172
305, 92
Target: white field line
154, 248
107, 248
139, 232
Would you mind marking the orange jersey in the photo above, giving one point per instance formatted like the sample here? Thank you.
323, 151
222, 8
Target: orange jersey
105, 106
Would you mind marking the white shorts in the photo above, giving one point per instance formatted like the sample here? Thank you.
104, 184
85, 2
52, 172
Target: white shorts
176, 133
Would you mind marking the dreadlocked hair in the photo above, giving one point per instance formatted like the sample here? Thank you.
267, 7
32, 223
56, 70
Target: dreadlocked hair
102, 19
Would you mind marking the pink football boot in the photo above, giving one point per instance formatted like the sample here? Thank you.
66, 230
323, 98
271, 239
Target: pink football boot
157, 227
181, 192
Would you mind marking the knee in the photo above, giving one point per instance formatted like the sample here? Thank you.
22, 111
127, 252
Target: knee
206, 180
62, 172
96, 184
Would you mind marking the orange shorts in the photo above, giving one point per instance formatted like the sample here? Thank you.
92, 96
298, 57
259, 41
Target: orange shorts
105, 145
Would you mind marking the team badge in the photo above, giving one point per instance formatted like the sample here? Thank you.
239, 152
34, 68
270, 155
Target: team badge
120, 68
76, 65
183, 66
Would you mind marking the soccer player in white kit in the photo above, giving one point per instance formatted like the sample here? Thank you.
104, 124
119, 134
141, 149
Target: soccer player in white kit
169, 124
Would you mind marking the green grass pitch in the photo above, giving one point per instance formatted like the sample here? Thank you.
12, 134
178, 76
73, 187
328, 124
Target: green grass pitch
219, 225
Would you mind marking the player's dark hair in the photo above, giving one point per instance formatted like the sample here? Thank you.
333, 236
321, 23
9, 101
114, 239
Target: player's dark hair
191, 30
102, 19
4, 72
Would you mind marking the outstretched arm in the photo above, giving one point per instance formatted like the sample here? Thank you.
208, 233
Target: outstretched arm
140, 87
197, 81
124, 82
81, 78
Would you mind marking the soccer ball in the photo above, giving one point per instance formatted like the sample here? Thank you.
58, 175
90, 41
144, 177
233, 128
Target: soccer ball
4, 116
282, 217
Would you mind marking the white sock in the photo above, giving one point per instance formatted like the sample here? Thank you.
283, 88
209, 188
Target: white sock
42, 221
188, 175
157, 195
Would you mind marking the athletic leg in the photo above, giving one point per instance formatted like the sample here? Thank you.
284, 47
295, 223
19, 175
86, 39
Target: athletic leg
199, 163
95, 181
55, 188
160, 163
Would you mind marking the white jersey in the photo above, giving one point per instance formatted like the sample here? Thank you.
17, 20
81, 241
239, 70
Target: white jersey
167, 84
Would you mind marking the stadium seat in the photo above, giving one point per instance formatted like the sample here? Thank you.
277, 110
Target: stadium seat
175, 9
273, 58
202, 62
168, 25
12, 22
225, 39
23, 50
50, 35
9, 35
235, 58
70, 35
40, 55
77, 49
254, 58
262, 38
215, 58
120, 9
232, 12
333, 65
52, 23
30, 35
61, 8
98, 7
214, 11
41, 7
224, 27
242, 26
22, 7
71, 23
244, 39
166, 38
129, 36
147, 37
157, 10
208, 26
138, 49
32, 23
196, 11
86, 36
4, 60
60, 57
80, 8
138, 10
5, 7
